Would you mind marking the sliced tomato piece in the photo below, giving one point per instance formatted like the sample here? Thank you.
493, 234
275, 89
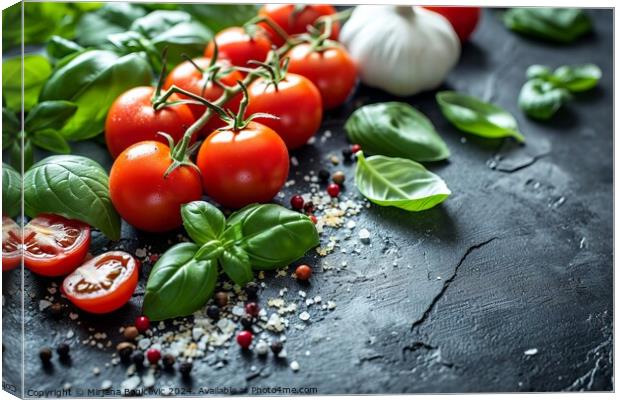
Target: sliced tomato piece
104, 283
11, 244
55, 246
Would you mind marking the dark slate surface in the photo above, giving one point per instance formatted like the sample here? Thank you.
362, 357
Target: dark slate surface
523, 250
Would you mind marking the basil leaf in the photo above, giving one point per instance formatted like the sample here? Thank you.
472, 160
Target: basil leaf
36, 71
210, 250
538, 71
94, 28
74, 187
174, 30
396, 129
540, 99
49, 115
399, 182
58, 47
562, 25
51, 140
178, 285
11, 191
236, 264
93, 80
11, 126
273, 236
202, 221
577, 78
220, 16
475, 116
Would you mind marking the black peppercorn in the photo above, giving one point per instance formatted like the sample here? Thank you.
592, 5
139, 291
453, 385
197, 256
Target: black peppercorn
185, 368
347, 154
168, 361
63, 350
138, 358
276, 347
125, 353
213, 312
56, 310
251, 290
324, 175
246, 322
45, 354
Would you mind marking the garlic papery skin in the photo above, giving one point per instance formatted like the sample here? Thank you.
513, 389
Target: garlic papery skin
403, 50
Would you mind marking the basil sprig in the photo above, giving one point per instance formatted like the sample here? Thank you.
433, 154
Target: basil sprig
546, 91
74, 187
399, 182
475, 116
397, 130
11, 191
259, 236
562, 25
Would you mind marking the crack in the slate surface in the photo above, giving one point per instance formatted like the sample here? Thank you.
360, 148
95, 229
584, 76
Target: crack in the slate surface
588, 377
448, 281
415, 346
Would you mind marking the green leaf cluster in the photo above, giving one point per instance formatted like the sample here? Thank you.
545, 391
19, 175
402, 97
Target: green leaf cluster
563, 25
257, 237
546, 91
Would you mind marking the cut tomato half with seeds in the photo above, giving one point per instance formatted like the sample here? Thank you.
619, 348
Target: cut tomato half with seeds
104, 283
11, 244
55, 246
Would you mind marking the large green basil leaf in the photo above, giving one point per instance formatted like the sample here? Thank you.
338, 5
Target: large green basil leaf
11, 191
220, 16
562, 25
577, 78
179, 285
51, 140
74, 187
36, 71
94, 28
273, 236
399, 182
398, 130
49, 115
541, 99
93, 80
236, 264
203, 221
58, 47
475, 116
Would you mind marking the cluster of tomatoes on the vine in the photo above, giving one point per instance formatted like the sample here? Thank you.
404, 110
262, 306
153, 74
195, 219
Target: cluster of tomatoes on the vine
293, 71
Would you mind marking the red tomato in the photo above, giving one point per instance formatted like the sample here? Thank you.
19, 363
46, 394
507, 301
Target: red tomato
55, 246
141, 194
11, 244
132, 119
296, 101
104, 283
243, 167
236, 46
294, 21
463, 19
187, 77
331, 70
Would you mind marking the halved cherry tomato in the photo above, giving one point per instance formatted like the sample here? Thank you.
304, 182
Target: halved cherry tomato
463, 19
104, 283
236, 46
132, 119
243, 167
297, 103
11, 244
295, 18
332, 71
143, 196
186, 76
54, 245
